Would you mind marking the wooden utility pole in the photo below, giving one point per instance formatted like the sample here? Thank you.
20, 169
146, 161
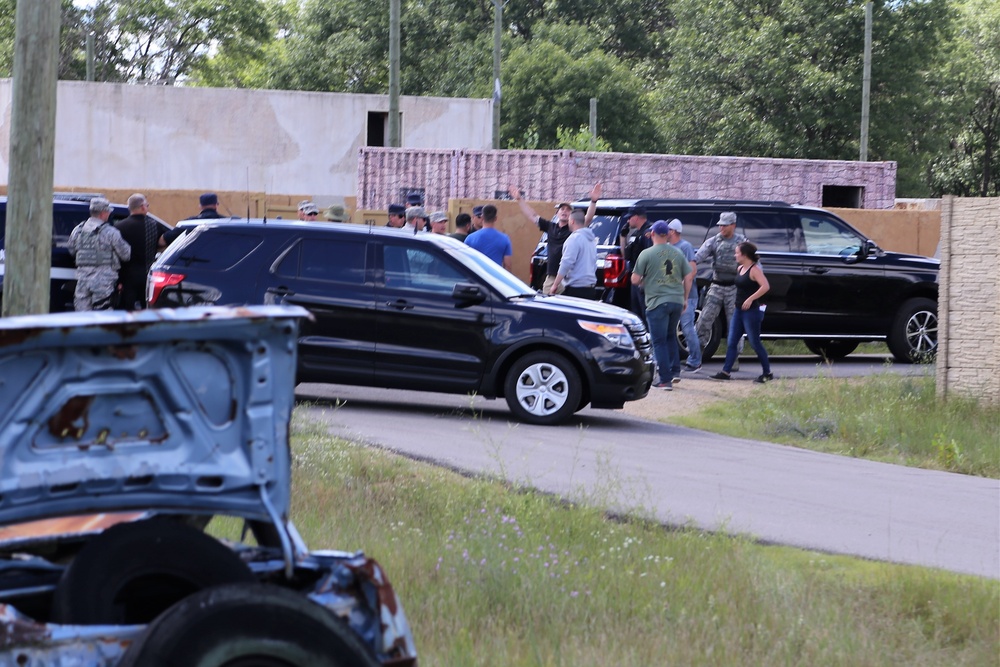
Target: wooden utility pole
32, 159
497, 34
394, 31
866, 82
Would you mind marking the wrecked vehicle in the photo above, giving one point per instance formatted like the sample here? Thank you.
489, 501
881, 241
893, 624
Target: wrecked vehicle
121, 436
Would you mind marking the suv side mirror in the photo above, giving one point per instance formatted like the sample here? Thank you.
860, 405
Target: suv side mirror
468, 294
868, 248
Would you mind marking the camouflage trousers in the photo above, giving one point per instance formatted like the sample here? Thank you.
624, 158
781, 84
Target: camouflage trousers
718, 297
95, 286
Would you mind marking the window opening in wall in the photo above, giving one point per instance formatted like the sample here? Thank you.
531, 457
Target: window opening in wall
378, 128
843, 196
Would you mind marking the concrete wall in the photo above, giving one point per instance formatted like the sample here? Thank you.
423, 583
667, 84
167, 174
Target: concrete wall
384, 174
128, 137
968, 360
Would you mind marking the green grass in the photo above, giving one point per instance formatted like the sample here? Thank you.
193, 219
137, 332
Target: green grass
882, 417
491, 575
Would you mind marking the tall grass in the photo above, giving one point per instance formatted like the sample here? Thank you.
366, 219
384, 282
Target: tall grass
491, 575
882, 417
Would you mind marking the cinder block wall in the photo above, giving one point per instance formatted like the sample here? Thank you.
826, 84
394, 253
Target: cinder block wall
385, 173
968, 360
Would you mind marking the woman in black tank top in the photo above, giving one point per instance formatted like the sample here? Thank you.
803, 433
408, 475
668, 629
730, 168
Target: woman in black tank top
751, 285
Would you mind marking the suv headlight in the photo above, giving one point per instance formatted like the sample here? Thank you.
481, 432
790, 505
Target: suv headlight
616, 333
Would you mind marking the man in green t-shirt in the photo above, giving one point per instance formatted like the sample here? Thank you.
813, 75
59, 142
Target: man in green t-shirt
665, 276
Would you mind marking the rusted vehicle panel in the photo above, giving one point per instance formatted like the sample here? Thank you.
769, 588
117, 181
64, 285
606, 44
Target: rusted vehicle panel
121, 436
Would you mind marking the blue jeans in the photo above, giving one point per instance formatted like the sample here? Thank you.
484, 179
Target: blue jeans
637, 301
748, 322
662, 322
689, 331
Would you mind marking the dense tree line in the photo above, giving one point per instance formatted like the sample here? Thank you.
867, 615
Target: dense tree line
777, 78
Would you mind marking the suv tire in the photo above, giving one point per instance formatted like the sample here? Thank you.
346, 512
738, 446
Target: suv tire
543, 388
831, 350
914, 334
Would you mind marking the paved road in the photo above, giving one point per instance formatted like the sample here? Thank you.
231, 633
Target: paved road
682, 476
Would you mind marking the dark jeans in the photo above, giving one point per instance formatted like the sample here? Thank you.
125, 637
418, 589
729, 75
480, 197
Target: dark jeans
637, 301
748, 322
662, 323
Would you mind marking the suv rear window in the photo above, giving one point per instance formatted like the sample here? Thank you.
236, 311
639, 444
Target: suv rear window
221, 255
335, 260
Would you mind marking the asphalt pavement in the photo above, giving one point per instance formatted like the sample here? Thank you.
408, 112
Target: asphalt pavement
684, 477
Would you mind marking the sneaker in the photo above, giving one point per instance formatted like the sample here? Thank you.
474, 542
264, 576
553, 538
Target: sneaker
690, 369
677, 378
721, 375
664, 385
765, 377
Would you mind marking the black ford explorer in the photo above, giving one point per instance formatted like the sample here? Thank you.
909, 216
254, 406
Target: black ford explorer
831, 286
422, 312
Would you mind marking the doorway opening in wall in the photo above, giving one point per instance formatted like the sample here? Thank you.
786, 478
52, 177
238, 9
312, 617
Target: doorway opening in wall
843, 196
378, 128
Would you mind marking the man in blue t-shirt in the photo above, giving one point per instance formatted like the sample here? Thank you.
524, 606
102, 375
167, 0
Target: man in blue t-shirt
491, 241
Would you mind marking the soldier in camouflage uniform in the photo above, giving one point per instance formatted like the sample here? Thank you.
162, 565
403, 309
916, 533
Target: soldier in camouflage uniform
99, 250
721, 248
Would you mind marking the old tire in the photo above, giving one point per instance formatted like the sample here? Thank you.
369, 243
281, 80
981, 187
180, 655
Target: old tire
132, 572
831, 350
543, 388
248, 625
914, 332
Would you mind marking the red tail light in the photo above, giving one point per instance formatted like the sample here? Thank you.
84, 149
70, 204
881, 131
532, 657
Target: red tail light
158, 280
614, 271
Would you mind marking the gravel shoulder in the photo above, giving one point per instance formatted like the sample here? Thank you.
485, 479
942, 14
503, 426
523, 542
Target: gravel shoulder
690, 395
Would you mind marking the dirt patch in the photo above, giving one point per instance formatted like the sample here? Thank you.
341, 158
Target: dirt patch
689, 395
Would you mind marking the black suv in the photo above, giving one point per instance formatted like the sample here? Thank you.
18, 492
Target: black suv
68, 211
830, 285
422, 312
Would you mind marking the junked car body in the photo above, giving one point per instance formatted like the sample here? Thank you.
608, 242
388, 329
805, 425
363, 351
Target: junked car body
121, 435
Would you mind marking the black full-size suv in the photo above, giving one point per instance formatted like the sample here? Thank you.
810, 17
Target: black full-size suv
830, 285
422, 312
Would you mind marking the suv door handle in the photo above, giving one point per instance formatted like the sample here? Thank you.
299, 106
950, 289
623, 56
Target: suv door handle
818, 269
399, 304
280, 291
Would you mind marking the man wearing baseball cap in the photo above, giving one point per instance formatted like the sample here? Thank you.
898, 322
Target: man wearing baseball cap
666, 277
477, 218
634, 237
557, 232
397, 216
99, 251
693, 363
721, 250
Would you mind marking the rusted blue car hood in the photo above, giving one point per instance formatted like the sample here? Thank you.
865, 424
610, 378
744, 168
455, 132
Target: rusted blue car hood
155, 410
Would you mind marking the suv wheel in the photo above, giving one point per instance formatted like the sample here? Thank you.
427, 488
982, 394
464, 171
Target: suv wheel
543, 388
831, 350
718, 337
913, 337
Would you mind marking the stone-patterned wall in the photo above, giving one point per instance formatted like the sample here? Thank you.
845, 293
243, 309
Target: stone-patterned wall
968, 360
385, 173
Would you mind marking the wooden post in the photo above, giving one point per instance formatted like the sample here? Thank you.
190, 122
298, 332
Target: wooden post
32, 158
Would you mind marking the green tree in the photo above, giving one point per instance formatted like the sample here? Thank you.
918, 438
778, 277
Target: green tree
157, 41
548, 85
971, 164
782, 78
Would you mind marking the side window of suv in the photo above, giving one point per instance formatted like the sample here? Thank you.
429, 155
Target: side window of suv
327, 259
63, 223
768, 230
418, 268
826, 236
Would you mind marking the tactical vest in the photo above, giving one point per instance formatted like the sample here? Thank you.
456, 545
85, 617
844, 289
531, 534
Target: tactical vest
724, 262
91, 251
